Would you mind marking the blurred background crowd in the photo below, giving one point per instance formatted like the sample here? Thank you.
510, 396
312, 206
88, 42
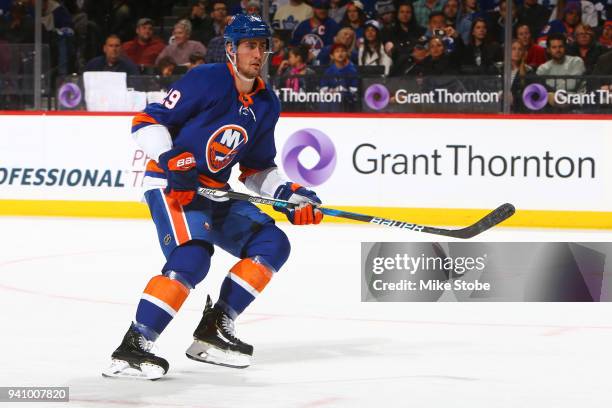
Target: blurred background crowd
339, 39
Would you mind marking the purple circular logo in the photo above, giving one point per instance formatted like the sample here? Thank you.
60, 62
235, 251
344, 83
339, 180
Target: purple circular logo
376, 96
323, 145
535, 96
69, 95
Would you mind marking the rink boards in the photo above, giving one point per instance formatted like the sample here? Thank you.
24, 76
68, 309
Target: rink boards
443, 170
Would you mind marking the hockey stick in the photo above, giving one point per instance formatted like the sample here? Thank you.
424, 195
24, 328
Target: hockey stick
490, 220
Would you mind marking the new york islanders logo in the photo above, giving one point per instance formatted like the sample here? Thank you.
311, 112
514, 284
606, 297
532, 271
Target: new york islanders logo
223, 146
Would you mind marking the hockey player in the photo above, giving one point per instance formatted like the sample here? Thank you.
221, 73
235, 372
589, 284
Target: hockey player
216, 116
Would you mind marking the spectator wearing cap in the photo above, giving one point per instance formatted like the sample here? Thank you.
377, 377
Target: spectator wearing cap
605, 40
202, 28
341, 76
535, 54
385, 13
566, 25
345, 36
144, 48
400, 38
341, 64
288, 17
354, 18
438, 62
371, 51
423, 8
585, 47
409, 64
534, 15
182, 47
112, 61
317, 31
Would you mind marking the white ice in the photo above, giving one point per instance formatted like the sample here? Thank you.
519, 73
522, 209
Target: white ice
69, 288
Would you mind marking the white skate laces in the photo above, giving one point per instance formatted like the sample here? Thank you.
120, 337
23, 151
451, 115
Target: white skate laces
228, 325
146, 345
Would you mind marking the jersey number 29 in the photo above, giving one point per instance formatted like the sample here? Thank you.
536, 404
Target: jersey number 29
172, 98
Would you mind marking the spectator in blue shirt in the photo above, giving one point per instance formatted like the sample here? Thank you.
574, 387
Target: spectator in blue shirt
216, 47
317, 31
345, 36
341, 76
112, 60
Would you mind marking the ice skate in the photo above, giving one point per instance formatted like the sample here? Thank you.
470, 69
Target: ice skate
215, 341
133, 359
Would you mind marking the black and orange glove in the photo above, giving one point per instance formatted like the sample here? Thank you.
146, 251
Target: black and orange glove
306, 212
181, 173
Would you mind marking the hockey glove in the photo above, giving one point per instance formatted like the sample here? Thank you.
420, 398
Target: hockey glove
181, 173
306, 212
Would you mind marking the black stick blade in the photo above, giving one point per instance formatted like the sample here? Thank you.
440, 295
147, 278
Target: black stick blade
498, 215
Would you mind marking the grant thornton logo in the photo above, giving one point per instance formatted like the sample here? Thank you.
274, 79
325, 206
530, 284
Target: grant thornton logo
376, 97
535, 96
69, 95
324, 147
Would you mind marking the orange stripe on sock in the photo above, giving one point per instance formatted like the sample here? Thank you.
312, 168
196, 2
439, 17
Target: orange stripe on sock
143, 118
178, 222
169, 291
253, 273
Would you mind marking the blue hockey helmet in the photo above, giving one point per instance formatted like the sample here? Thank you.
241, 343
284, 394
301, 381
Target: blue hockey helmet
244, 26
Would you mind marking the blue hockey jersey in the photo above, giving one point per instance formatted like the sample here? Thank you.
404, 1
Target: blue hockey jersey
207, 116
315, 36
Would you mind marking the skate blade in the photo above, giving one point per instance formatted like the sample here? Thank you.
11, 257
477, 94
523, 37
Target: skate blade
208, 353
123, 369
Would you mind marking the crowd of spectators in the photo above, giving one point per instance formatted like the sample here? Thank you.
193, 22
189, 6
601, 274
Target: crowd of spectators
333, 37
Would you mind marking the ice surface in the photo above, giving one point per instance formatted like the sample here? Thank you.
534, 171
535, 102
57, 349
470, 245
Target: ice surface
69, 288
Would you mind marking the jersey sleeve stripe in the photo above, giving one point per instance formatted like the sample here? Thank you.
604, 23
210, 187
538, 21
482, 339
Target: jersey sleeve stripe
141, 120
246, 172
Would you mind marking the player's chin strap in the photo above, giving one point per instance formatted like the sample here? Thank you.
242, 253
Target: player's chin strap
235, 68
232, 59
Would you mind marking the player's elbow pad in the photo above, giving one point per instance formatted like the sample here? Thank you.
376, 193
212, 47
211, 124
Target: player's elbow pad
153, 140
265, 182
